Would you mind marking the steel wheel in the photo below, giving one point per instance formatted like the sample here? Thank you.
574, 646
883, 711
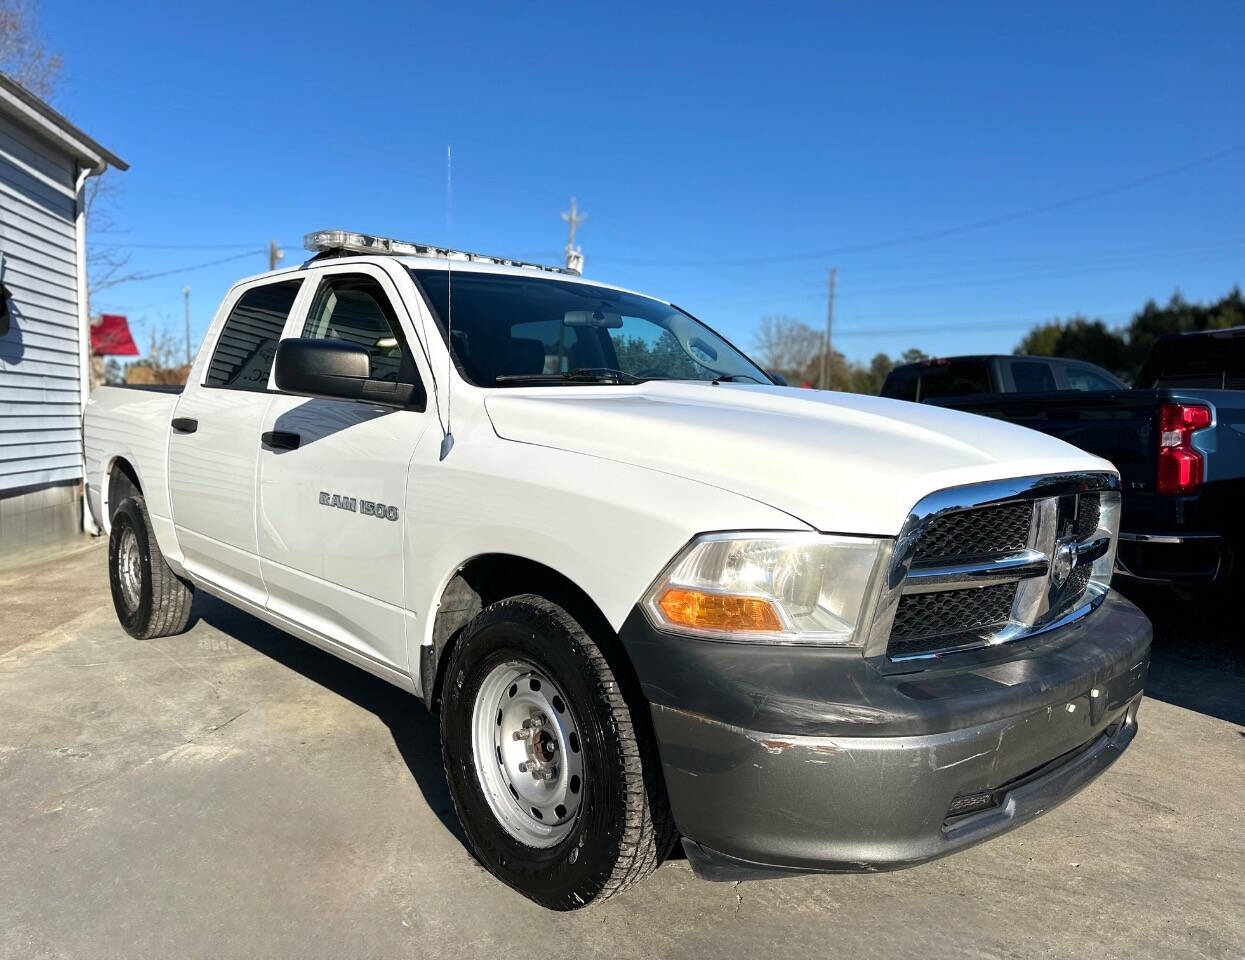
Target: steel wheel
130, 569
528, 754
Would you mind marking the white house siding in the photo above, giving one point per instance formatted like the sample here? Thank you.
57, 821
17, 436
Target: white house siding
40, 403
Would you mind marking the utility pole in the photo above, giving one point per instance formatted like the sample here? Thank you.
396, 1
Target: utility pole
574, 256
274, 254
186, 298
825, 347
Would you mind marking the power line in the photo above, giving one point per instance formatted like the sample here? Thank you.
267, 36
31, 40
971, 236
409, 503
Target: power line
978, 325
947, 231
938, 283
972, 280
170, 246
194, 266
969, 269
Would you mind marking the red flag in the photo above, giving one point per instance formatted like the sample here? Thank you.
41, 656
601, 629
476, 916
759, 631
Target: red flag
110, 337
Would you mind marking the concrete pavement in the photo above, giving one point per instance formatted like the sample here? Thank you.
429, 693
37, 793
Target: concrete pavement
234, 792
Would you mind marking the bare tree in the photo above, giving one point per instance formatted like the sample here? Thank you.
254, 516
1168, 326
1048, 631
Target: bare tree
105, 266
23, 54
161, 361
787, 345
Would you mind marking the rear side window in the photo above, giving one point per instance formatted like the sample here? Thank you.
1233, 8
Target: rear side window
900, 385
1086, 378
248, 342
1032, 376
955, 379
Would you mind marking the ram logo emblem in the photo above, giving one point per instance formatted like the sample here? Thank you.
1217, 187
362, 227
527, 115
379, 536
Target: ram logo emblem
1064, 561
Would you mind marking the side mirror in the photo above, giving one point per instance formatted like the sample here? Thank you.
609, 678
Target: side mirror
4, 311
334, 368
778, 378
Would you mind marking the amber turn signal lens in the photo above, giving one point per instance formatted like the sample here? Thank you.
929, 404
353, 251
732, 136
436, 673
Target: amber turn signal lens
714, 611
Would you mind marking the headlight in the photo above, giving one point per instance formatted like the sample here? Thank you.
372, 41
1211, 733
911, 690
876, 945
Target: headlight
779, 588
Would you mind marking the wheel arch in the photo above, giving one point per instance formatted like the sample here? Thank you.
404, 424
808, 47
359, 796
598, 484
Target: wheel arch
120, 466
489, 577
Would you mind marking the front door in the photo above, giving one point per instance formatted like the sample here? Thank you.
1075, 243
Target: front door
332, 480
214, 442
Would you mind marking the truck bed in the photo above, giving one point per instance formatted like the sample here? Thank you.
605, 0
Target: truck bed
1122, 426
130, 422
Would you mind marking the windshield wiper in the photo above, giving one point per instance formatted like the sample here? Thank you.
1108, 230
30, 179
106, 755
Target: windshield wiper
606, 375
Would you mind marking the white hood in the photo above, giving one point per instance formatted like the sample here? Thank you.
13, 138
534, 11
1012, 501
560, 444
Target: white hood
840, 462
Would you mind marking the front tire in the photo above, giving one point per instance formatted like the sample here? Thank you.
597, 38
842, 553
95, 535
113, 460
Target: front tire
557, 787
150, 599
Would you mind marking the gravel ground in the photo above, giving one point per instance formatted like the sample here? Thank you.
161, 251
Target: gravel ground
234, 792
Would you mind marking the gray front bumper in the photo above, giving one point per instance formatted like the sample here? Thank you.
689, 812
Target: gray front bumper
869, 786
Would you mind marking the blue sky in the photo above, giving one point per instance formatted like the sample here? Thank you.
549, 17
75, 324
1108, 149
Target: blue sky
726, 155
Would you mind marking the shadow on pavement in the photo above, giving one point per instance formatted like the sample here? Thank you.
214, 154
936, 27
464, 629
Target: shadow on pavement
413, 728
1198, 658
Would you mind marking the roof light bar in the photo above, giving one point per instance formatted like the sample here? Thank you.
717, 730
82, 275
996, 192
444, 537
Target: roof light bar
344, 241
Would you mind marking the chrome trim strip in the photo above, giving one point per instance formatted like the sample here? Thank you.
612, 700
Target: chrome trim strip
985, 573
1168, 538
970, 496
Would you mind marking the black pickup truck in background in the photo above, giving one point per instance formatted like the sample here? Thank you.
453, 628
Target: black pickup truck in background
1177, 438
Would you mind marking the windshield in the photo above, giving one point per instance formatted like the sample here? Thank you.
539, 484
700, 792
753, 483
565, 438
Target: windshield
513, 330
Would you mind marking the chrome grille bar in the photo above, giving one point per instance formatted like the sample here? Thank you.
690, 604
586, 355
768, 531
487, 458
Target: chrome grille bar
927, 578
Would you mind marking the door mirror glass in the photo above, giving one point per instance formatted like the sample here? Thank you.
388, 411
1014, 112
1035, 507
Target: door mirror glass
334, 368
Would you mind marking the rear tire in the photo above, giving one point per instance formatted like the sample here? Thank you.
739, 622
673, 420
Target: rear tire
611, 823
150, 599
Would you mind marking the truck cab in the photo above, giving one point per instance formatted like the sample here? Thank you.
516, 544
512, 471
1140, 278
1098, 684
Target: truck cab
651, 595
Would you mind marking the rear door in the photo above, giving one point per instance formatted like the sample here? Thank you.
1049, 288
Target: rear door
332, 478
214, 444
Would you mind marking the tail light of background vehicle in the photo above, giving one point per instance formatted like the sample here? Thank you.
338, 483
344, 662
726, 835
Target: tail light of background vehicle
1180, 465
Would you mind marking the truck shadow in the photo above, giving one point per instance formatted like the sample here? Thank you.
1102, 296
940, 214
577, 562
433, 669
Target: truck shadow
1198, 658
414, 730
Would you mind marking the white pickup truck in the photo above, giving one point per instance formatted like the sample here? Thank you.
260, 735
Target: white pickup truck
651, 594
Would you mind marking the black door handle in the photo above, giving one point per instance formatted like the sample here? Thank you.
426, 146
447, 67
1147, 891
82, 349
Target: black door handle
185, 425
281, 439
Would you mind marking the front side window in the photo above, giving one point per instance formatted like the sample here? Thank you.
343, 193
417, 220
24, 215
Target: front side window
354, 307
515, 329
248, 341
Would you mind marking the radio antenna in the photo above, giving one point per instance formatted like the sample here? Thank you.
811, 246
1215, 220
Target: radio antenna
447, 441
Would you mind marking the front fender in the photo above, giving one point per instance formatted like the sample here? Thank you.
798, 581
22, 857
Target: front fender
606, 526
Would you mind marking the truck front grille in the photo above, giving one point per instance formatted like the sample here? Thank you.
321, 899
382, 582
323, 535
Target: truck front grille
976, 533
972, 572
922, 619
926, 614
